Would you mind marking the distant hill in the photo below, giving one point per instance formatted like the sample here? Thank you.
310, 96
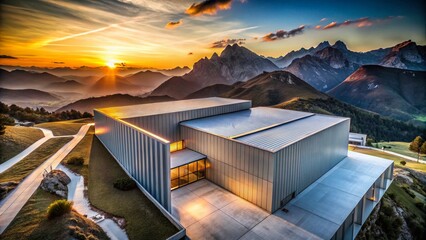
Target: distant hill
177, 71
176, 87
10, 96
147, 80
69, 85
88, 104
21, 79
396, 93
113, 84
375, 126
265, 89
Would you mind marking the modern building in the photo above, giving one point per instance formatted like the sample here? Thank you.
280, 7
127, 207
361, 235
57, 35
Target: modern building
357, 139
267, 156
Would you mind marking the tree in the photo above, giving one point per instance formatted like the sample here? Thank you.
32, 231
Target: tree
423, 148
416, 145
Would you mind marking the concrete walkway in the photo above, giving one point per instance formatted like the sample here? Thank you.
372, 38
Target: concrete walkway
392, 153
12, 204
9, 163
82, 205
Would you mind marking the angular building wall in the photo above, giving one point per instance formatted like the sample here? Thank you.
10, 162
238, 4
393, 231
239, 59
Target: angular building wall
143, 155
241, 169
300, 164
167, 125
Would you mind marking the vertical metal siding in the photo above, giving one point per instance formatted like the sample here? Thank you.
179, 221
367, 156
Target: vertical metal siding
144, 157
167, 125
302, 163
234, 166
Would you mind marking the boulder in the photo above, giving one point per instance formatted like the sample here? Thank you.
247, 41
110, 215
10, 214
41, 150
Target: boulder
56, 182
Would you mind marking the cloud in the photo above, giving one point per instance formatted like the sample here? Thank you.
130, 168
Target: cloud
190, 53
208, 7
360, 22
172, 25
281, 34
318, 27
59, 62
8, 57
225, 42
323, 19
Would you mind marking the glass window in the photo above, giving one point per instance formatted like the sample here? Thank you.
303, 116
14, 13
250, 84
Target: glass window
174, 173
188, 173
176, 146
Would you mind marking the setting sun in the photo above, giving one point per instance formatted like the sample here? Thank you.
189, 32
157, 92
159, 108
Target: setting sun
111, 64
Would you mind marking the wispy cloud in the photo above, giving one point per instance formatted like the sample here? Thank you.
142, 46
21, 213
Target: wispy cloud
208, 7
225, 42
172, 25
323, 19
59, 62
360, 22
8, 57
281, 34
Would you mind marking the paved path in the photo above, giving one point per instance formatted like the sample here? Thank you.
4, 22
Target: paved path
392, 153
9, 163
12, 204
82, 205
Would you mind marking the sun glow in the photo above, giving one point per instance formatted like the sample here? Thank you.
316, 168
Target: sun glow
110, 64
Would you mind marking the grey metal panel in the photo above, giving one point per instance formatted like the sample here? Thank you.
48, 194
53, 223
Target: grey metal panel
300, 164
239, 176
168, 126
277, 138
131, 146
242, 122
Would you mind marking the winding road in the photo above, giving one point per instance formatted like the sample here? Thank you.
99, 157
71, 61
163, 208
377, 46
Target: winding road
13, 203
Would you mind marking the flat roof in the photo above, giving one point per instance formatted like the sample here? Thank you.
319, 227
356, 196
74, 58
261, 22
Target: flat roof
266, 128
183, 157
276, 138
149, 109
323, 207
239, 123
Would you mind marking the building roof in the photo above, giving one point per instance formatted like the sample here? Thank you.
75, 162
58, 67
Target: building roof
240, 123
183, 157
264, 127
323, 207
141, 110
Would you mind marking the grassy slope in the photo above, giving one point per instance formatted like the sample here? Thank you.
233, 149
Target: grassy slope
401, 148
32, 223
144, 220
410, 164
406, 200
33, 160
82, 150
17, 139
60, 128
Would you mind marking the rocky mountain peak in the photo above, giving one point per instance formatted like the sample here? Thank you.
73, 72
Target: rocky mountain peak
340, 45
323, 45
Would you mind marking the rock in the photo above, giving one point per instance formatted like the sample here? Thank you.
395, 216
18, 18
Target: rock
6, 187
56, 182
404, 179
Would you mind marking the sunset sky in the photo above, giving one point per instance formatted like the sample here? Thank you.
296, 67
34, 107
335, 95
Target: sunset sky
166, 34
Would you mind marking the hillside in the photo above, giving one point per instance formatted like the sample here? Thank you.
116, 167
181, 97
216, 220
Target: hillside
112, 84
10, 96
406, 55
391, 92
264, 90
176, 87
375, 126
88, 104
69, 85
21, 79
147, 80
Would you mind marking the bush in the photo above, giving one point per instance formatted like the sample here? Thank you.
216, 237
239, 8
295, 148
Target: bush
407, 190
421, 206
403, 162
124, 184
76, 161
392, 196
59, 208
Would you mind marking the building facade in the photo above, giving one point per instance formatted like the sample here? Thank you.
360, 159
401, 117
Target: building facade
266, 156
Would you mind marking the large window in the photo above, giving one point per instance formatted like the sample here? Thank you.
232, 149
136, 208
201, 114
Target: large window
191, 172
176, 146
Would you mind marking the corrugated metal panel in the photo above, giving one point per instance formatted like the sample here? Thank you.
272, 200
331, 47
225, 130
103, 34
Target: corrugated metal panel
242, 122
300, 164
276, 138
144, 156
167, 125
234, 166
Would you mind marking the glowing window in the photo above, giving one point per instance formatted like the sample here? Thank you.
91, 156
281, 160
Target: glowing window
176, 146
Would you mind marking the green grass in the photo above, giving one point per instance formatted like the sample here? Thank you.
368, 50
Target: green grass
61, 128
23, 168
410, 164
82, 150
405, 200
32, 223
17, 139
144, 219
421, 118
401, 148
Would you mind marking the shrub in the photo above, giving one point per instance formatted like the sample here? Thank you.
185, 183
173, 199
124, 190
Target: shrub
392, 196
403, 162
59, 208
124, 184
76, 161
